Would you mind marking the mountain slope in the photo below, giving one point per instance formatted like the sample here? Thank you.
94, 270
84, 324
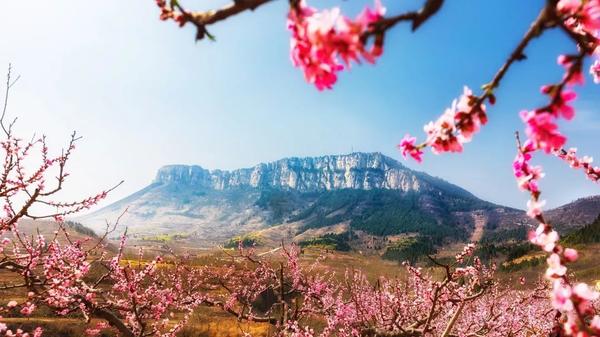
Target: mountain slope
587, 234
575, 214
367, 192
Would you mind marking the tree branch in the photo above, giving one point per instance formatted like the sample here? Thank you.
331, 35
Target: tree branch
201, 19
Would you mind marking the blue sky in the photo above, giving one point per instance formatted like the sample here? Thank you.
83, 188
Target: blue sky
143, 94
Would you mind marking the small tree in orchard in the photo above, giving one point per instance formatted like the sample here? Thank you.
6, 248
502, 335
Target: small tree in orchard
132, 298
325, 42
465, 301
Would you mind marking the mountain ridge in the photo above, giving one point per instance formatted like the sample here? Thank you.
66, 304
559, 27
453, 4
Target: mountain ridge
369, 192
355, 170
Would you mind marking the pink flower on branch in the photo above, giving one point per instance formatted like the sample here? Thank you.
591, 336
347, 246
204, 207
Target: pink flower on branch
169, 13
452, 129
561, 296
574, 75
581, 16
544, 238
457, 125
568, 6
541, 128
571, 255
527, 176
408, 148
583, 291
595, 71
560, 97
534, 208
575, 303
555, 267
320, 39
583, 163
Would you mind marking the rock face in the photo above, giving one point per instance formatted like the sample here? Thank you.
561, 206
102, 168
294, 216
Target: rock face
366, 191
363, 171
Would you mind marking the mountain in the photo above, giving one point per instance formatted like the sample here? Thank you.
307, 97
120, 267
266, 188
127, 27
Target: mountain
293, 197
587, 234
574, 215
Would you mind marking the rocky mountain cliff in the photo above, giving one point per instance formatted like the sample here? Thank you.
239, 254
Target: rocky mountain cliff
368, 192
363, 171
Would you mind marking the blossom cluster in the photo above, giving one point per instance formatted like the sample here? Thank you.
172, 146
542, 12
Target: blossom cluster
582, 18
584, 163
467, 302
6, 332
325, 42
574, 301
541, 127
168, 13
467, 251
57, 269
147, 293
452, 129
526, 174
541, 124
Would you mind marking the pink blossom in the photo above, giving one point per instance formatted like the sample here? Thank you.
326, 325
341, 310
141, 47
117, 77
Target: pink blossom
457, 124
591, 16
571, 326
534, 208
527, 176
545, 240
28, 308
321, 38
469, 116
12, 304
595, 323
584, 292
467, 251
575, 75
583, 16
571, 254
542, 130
568, 6
555, 267
561, 296
407, 146
584, 163
441, 134
166, 13
561, 107
92, 332
595, 71
369, 16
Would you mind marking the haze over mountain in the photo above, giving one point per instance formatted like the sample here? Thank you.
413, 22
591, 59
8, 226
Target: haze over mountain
368, 192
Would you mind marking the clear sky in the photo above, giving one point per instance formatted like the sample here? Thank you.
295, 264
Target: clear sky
143, 94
